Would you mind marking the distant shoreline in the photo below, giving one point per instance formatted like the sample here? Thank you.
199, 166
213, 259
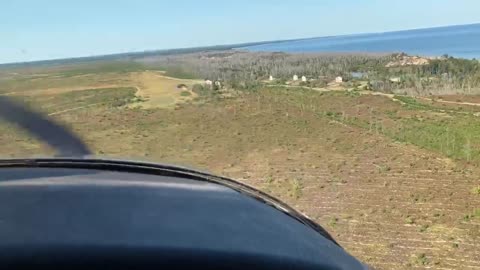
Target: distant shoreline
458, 41
240, 46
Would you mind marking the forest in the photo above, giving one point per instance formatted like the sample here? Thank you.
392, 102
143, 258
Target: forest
384, 72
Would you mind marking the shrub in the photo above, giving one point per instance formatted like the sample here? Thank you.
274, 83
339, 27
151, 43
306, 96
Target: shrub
185, 94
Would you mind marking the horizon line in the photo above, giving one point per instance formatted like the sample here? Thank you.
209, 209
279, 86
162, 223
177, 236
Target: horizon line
232, 45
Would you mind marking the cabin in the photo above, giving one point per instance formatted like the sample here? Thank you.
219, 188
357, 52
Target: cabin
208, 82
395, 79
338, 79
295, 77
358, 75
304, 79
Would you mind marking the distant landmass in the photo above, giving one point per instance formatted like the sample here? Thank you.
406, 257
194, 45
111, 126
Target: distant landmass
458, 41
131, 55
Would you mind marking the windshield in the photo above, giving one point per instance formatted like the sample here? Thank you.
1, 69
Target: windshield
364, 115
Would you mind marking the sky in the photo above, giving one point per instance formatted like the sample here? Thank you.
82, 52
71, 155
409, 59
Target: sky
33, 30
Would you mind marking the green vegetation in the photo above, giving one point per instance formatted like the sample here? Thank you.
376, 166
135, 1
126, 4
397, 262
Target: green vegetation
114, 97
199, 90
384, 168
296, 188
421, 259
333, 155
269, 180
102, 67
185, 94
333, 222
177, 72
409, 220
452, 133
474, 214
385, 73
452, 137
206, 92
242, 70
424, 228
413, 104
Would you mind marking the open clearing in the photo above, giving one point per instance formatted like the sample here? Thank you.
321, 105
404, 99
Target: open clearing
152, 88
160, 91
395, 182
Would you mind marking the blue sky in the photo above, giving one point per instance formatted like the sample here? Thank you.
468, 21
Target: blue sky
36, 30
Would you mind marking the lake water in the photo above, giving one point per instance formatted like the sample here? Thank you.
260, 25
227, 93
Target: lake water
458, 41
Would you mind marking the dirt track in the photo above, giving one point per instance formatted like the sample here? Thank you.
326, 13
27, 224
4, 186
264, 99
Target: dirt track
74, 109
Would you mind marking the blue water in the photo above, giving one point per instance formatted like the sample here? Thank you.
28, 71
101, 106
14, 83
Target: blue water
458, 41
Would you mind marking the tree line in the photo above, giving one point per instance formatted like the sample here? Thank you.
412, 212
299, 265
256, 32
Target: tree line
241, 69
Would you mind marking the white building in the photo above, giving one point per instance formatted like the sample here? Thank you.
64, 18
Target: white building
338, 79
304, 79
295, 77
395, 79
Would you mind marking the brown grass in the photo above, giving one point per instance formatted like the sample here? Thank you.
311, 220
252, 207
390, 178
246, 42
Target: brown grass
392, 204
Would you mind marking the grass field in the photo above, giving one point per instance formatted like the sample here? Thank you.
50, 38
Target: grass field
153, 88
394, 179
159, 91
